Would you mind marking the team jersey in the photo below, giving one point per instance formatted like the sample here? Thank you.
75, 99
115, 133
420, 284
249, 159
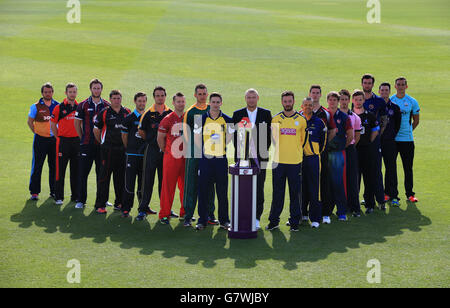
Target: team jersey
408, 107
193, 122
214, 134
376, 105
394, 118
316, 136
325, 115
356, 124
110, 124
172, 126
130, 126
149, 124
343, 124
86, 112
369, 124
289, 136
41, 114
64, 116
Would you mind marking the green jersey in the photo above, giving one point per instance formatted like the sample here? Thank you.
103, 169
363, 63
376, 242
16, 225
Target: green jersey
193, 123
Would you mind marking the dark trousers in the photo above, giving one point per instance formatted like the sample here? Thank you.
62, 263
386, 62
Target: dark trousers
311, 188
378, 174
260, 181
389, 151
113, 163
213, 171
153, 162
352, 179
88, 154
43, 147
325, 189
406, 150
293, 174
133, 170
67, 149
338, 183
367, 172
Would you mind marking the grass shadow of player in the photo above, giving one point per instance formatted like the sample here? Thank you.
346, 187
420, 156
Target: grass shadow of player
208, 246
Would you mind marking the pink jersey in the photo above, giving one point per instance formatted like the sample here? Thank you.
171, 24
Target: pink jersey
356, 123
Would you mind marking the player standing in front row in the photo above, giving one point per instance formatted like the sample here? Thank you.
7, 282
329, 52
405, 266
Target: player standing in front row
134, 147
67, 143
44, 142
215, 133
409, 108
288, 131
108, 132
170, 142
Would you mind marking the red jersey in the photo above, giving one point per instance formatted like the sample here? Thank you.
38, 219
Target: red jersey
64, 116
172, 126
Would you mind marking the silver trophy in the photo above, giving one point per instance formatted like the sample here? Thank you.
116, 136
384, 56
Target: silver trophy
243, 142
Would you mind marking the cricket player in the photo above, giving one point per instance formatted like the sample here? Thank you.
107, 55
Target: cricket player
192, 122
409, 108
351, 156
216, 132
337, 159
67, 143
44, 142
314, 145
153, 157
367, 151
85, 116
170, 142
389, 146
288, 131
134, 149
108, 132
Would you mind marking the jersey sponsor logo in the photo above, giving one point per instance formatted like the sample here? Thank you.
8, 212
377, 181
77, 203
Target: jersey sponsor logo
288, 131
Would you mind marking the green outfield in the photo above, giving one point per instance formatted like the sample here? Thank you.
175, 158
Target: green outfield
230, 46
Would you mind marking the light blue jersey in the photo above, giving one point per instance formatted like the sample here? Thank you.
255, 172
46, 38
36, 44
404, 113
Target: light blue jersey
408, 107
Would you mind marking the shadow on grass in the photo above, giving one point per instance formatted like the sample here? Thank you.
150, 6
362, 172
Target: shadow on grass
208, 246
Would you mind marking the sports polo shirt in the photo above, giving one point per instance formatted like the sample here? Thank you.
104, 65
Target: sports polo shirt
394, 118
214, 134
130, 124
408, 107
87, 111
316, 136
41, 114
376, 105
172, 126
110, 124
149, 123
356, 124
64, 116
369, 124
193, 123
343, 124
324, 114
289, 135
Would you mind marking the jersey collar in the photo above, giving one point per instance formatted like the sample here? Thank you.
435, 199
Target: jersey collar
153, 108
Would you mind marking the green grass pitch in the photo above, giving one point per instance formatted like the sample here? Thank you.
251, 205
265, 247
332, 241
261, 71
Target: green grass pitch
231, 46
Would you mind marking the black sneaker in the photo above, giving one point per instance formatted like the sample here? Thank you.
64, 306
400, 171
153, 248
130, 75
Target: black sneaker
187, 224
117, 207
369, 210
149, 211
53, 196
164, 221
213, 221
382, 206
272, 226
200, 227
225, 226
294, 228
356, 214
173, 215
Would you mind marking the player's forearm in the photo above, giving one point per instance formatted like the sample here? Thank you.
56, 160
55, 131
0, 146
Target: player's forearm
125, 140
357, 137
373, 136
54, 129
30, 123
77, 124
331, 134
350, 136
97, 135
142, 134
161, 139
415, 122
383, 124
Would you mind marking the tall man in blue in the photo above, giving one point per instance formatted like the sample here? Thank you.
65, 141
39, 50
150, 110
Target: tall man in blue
44, 143
389, 146
409, 108
288, 131
260, 120
337, 160
216, 132
377, 106
85, 116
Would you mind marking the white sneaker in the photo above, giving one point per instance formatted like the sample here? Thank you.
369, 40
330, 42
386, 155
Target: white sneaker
326, 220
315, 225
59, 202
108, 203
79, 205
305, 218
257, 225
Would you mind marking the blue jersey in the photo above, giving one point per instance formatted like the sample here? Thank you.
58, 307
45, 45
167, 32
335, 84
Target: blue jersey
408, 107
376, 105
343, 124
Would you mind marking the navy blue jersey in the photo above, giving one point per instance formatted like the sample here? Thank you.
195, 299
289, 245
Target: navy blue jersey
394, 118
87, 111
343, 124
369, 124
376, 105
130, 126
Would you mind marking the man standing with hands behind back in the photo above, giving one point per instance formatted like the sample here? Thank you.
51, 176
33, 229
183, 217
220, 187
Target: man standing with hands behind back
261, 120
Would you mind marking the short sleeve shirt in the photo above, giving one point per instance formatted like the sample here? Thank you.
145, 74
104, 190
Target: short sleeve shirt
343, 124
369, 124
150, 122
110, 124
130, 126
408, 107
64, 116
172, 126
356, 123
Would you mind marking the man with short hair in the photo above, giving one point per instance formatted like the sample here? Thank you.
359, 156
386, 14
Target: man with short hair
134, 147
389, 146
170, 142
44, 142
409, 108
216, 132
85, 116
288, 131
108, 132
153, 157
261, 139
67, 143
